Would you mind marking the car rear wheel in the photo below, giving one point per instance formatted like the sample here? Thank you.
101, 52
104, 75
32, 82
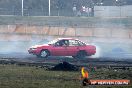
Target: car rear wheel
74, 56
81, 54
44, 53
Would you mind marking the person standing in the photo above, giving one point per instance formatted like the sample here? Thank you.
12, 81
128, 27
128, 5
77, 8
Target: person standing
74, 9
83, 10
90, 11
87, 11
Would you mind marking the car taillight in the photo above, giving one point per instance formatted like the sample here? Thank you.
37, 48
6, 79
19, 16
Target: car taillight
95, 48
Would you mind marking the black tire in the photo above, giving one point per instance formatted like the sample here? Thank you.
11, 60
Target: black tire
81, 54
44, 54
74, 57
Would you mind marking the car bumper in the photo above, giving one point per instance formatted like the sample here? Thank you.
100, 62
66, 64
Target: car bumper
34, 52
92, 52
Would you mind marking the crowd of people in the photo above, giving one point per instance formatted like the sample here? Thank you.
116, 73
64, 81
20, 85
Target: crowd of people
83, 11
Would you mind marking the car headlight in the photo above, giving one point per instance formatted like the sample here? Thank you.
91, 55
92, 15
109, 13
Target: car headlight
33, 48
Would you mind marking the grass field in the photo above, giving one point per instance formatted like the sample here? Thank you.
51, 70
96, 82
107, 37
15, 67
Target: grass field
32, 77
13, 76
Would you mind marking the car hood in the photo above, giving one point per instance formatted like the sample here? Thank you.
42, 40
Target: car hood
36, 46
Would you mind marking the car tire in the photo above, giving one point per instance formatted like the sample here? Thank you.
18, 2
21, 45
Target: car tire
44, 54
74, 57
81, 54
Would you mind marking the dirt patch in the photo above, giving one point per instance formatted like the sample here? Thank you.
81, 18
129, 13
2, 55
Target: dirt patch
65, 66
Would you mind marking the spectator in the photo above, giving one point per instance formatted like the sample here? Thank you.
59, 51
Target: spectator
87, 11
90, 11
78, 13
74, 10
83, 10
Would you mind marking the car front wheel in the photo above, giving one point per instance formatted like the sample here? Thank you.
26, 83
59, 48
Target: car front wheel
44, 53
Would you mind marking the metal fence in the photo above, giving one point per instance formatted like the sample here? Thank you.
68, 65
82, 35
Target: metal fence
113, 11
57, 7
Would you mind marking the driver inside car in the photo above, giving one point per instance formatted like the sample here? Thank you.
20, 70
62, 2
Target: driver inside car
63, 43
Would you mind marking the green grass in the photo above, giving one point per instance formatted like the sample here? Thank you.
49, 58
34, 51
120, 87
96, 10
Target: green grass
32, 77
12, 76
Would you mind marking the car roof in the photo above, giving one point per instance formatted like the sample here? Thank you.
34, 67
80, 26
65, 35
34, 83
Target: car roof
70, 39
67, 39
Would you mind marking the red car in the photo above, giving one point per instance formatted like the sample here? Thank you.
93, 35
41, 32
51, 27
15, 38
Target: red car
63, 47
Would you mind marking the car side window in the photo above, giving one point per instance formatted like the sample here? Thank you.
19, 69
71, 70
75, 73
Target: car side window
73, 43
81, 43
62, 43
66, 42
57, 44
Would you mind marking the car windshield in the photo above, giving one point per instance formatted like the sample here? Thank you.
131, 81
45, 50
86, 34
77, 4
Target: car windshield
45, 41
53, 41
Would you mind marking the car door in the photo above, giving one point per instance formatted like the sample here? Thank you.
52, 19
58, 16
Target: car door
73, 48
58, 49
